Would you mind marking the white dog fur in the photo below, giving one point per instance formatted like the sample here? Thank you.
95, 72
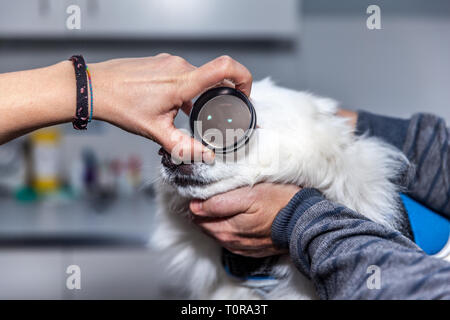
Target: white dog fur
299, 140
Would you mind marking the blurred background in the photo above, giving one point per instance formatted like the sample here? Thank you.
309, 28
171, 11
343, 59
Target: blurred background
87, 198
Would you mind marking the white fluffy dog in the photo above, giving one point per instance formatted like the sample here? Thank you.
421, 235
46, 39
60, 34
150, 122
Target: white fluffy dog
299, 140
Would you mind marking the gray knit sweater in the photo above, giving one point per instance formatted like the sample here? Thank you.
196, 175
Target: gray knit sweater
349, 257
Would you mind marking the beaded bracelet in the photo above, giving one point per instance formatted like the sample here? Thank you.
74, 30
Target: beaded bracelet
91, 93
82, 109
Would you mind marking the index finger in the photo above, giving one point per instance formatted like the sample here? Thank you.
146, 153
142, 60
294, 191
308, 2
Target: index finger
216, 71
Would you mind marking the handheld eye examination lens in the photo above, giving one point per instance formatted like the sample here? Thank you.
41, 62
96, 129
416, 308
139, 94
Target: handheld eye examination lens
223, 119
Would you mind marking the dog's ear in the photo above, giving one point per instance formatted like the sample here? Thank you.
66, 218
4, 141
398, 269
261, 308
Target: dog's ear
326, 105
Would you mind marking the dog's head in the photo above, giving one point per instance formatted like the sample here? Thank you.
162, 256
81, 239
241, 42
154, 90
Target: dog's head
289, 138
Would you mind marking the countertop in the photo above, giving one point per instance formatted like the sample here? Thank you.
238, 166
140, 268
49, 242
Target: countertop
125, 221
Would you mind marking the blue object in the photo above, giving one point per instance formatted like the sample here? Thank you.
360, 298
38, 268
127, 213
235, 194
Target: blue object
227, 270
431, 230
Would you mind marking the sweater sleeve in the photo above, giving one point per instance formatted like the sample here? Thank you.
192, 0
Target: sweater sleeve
424, 139
348, 256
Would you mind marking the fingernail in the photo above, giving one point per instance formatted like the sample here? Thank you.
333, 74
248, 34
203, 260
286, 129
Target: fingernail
196, 205
208, 157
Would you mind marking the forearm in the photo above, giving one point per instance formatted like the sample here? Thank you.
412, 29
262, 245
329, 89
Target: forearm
335, 247
36, 98
424, 139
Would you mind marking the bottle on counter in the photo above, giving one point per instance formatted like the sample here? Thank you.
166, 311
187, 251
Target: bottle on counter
45, 146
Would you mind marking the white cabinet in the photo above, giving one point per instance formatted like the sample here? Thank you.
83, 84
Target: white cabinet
120, 274
152, 19
125, 273
31, 274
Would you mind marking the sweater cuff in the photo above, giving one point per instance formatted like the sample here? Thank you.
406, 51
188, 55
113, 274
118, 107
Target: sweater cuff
286, 219
391, 130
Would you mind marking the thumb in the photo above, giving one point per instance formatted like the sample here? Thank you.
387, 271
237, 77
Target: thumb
182, 147
223, 205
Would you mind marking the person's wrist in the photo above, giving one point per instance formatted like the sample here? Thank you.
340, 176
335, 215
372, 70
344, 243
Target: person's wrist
63, 75
61, 101
102, 87
286, 219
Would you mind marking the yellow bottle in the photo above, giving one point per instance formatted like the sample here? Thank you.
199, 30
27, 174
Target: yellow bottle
45, 154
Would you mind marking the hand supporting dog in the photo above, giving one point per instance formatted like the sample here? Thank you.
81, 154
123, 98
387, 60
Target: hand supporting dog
241, 219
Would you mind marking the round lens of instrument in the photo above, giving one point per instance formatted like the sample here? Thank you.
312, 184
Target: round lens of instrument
223, 119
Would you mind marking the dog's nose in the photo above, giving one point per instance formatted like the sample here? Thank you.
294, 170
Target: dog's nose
166, 160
